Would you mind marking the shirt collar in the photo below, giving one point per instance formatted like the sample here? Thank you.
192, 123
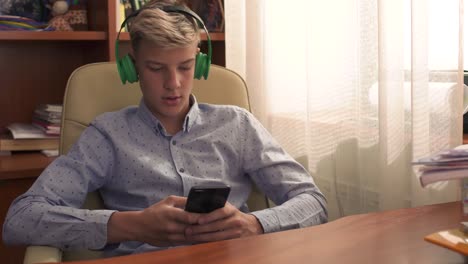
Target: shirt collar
192, 115
147, 116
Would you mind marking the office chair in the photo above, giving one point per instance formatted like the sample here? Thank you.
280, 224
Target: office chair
96, 88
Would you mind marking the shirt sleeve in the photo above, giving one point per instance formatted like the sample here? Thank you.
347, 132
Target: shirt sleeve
299, 201
48, 213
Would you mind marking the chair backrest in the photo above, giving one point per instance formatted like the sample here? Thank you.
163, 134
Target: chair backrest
96, 88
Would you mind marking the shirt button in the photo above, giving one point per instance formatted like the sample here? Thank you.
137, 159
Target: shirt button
174, 142
181, 170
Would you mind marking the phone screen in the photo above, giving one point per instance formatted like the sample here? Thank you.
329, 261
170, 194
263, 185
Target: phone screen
204, 199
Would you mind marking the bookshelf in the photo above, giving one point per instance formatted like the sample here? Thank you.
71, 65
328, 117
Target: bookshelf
35, 67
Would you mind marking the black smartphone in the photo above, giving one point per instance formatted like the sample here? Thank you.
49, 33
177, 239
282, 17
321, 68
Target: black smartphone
207, 198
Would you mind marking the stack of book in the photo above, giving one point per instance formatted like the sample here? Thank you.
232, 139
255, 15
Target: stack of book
42, 134
26, 137
446, 165
48, 117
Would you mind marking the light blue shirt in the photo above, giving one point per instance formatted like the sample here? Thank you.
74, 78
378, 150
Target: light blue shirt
135, 163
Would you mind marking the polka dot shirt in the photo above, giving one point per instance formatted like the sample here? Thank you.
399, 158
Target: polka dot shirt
131, 159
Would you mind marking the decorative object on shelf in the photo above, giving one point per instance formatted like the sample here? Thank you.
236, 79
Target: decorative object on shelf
78, 15
211, 12
58, 11
58, 7
17, 23
68, 16
5, 7
33, 9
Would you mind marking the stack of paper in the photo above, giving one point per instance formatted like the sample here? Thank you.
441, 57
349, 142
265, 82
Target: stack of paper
453, 239
26, 131
446, 165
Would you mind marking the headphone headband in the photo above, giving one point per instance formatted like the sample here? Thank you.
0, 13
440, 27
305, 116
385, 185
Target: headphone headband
186, 11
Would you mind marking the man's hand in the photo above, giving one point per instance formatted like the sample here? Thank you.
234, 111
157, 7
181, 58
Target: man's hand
224, 223
162, 224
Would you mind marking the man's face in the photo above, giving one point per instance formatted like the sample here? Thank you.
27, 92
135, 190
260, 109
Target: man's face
166, 79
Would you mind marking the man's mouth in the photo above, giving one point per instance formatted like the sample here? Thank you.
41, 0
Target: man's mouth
172, 99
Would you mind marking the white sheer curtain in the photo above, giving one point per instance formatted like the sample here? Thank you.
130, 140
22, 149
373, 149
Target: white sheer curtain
357, 89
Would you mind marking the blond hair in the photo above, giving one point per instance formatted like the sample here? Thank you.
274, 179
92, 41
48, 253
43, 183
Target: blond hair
167, 30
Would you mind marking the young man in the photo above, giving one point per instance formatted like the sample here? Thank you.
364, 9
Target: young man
145, 159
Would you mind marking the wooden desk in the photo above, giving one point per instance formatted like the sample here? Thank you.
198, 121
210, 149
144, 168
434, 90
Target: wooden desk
386, 237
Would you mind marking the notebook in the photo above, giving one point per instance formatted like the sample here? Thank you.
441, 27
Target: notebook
453, 239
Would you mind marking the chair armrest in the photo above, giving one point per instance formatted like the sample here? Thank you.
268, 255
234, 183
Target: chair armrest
41, 254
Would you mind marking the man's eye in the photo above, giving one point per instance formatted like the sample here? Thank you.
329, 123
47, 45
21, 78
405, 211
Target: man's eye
185, 68
154, 69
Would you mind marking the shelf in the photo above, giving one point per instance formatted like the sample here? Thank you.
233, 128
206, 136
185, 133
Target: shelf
23, 165
215, 36
53, 35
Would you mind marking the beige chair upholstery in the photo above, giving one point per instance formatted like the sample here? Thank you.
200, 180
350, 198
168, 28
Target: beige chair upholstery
96, 88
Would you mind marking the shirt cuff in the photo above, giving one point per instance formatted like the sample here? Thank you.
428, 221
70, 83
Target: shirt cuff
268, 219
96, 235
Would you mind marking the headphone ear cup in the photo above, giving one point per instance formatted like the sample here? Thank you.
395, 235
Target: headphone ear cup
202, 66
127, 70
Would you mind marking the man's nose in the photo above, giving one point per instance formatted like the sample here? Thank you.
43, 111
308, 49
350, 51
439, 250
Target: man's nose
172, 79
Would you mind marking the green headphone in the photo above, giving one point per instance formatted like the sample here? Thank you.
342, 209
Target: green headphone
127, 70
